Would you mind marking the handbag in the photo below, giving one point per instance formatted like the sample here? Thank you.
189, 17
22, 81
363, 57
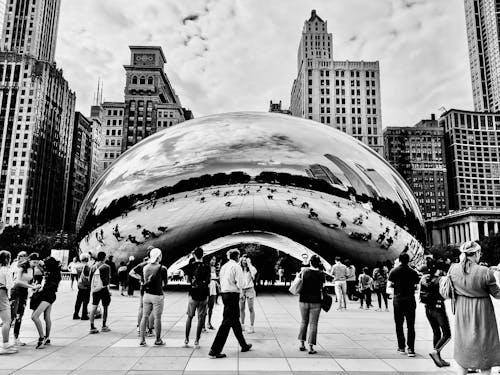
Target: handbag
447, 290
296, 285
326, 301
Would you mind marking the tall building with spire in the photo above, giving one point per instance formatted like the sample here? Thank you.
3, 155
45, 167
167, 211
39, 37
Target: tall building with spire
341, 94
483, 25
36, 118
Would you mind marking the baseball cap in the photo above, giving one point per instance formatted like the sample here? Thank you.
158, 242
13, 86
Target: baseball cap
154, 255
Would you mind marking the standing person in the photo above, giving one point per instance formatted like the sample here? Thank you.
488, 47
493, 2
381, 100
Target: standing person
350, 280
113, 273
23, 281
83, 296
476, 333
404, 281
198, 275
21, 257
5, 286
435, 310
130, 280
73, 270
214, 290
247, 292
99, 287
310, 303
380, 285
137, 273
365, 288
47, 297
155, 277
230, 280
122, 277
339, 272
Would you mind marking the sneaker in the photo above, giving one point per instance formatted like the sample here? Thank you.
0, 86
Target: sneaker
8, 350
246, 348
76, 317
105, 329
159, 343
250, 330
402, 351
411, 353
150, 333
46, 341
216, 355
142, 343
197, 344
186, 344
40, 344
18, 342
94, 330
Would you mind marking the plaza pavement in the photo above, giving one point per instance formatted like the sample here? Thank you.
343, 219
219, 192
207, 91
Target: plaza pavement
349, 342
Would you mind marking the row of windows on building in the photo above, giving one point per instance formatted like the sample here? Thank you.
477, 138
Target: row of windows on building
341, 73
114, 112
116, 132
112, 142
142, 80
342, 92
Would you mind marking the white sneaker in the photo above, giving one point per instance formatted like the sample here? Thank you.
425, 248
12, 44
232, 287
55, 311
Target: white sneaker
7, 350
250, 330
18, 342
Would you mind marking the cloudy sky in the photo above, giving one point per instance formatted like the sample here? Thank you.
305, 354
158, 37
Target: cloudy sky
232, 55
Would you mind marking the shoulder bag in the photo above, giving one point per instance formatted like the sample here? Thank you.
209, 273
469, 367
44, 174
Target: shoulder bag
326, 301
296, 285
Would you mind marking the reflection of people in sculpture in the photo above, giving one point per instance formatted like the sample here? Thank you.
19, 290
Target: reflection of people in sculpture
313, 214
133, 240
343, 224
228, 204
381, 238
290, 202
304, 205
116, 233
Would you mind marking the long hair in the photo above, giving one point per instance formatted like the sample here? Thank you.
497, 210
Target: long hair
469, 249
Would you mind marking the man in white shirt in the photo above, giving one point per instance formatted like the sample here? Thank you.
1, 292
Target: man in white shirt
230, 282
340, 272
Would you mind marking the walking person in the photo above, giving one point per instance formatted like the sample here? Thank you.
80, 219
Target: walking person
365, 289
404, 281
122, 278
155, 278
23, 280
477, 344
310, 303
214, 288
435, 310
5, 286
73, 270
339, 272
351, 280
99, 288
230, 279
83, 296
380, 285
45, 300
198, 275
247, 292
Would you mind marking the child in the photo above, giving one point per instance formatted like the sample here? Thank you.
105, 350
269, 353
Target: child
122, 277
365, 288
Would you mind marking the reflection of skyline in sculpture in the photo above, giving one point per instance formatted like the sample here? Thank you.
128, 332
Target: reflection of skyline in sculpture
186, 186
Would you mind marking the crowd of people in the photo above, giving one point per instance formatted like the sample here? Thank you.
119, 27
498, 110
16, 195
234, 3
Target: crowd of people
477, 345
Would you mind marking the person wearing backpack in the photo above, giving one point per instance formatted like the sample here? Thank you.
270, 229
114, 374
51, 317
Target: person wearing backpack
83, 296
99, 287
199, 276
435, 310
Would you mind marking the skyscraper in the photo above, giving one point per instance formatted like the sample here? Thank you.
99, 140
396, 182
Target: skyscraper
30, 28
36, 118
483, 25
341, 94
417, 153
151, 103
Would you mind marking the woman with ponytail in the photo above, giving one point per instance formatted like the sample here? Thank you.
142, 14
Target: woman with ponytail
476, 334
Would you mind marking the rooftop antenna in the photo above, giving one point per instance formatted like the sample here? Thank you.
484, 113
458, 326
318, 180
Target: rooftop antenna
102, 90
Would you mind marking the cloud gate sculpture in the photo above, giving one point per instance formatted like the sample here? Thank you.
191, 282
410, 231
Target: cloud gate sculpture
252, 173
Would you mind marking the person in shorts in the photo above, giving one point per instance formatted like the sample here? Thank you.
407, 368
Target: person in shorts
99, 287
137, 273
199, 276
155, 278
247, 295
5, 286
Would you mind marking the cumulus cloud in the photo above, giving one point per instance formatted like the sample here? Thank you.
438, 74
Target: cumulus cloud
231, 55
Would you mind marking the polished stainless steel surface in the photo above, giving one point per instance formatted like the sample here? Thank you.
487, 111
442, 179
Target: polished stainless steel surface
219, 175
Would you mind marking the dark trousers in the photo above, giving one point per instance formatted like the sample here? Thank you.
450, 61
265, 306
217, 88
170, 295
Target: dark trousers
230, 319
130, 285
351, 289
405, 310
440, 326
18, 299
82, 300
366, 295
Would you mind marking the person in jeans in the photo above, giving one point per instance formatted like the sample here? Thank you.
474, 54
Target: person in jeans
83, 296
5, 286
339, 272
380, 285
155, 278
230, 282
435, 311
404, 281
247, 292
198, 275
351, 279
365, 289
99, 288
310, 303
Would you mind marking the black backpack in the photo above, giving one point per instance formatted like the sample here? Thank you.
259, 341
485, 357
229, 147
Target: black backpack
200, 279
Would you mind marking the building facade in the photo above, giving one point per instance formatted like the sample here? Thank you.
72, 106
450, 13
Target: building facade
341, 94
151, 103
96, 114
483, 25
417, 153
112, 133
79, 178
276, 108
472, 147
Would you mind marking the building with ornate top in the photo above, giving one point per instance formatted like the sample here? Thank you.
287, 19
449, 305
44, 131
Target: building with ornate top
341, 94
